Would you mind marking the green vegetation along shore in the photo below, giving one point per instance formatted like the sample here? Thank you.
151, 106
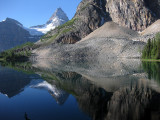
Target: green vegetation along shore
152, 49
21, 52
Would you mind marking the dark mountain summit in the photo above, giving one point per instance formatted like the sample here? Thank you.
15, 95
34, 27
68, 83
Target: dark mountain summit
12, 33
10, 20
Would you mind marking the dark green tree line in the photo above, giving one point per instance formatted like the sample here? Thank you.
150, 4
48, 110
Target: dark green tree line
152, 48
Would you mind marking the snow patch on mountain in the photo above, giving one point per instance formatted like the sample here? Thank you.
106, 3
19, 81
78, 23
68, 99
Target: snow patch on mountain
3, 20
33, 31
58, 18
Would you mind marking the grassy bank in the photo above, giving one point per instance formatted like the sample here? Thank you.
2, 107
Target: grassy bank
21, 52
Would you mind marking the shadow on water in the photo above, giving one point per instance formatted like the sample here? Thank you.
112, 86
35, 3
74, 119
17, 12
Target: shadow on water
113, 90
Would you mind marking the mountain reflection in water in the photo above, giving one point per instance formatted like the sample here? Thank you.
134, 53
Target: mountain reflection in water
114, 90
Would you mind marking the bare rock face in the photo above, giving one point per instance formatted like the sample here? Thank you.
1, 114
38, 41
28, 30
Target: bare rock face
134, 14
92, 12
154, 6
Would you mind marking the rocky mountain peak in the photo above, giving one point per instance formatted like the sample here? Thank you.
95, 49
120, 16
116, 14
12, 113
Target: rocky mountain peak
59, 17
60, 14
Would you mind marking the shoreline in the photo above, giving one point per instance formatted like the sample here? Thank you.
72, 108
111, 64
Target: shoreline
151, 60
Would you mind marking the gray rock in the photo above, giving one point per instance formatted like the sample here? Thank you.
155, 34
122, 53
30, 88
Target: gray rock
119, 42
134, 14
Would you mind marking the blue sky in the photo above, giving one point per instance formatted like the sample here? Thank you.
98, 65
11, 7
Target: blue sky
35, 12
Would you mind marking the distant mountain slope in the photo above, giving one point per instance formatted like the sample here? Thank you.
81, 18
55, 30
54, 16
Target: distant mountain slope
12, 33
58, 18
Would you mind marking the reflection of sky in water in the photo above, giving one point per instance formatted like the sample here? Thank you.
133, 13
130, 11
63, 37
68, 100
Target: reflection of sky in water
125, 94
38, 103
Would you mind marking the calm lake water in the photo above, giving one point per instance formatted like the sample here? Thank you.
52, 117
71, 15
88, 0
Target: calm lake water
130, 93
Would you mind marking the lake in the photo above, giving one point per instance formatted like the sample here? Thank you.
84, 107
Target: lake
113, 90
